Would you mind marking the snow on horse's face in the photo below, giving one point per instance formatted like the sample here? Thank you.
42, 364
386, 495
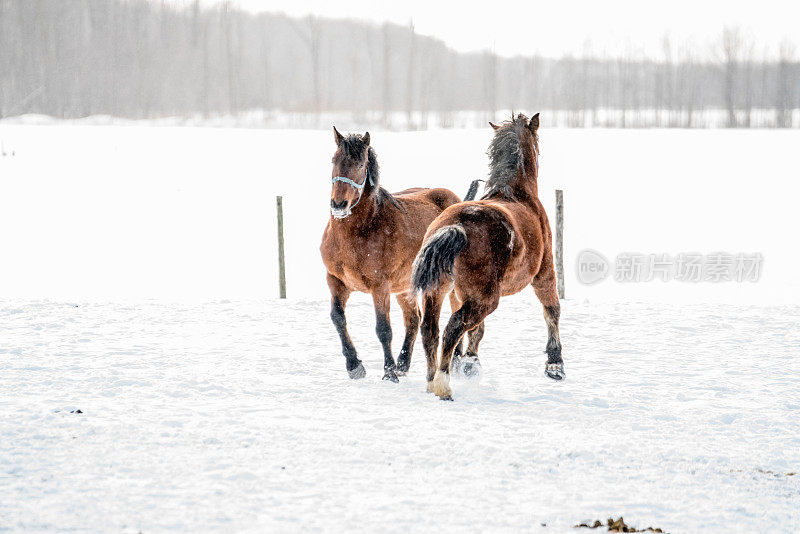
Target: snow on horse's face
350, 175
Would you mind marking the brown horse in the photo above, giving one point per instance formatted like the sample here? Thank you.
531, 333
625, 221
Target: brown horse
369, 245
493, 247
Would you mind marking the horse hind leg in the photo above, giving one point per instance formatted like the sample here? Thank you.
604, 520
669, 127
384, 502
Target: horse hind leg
475, 337
429, 328
411, 318
548, 296
471, 365
458, 352
470, 315
467, 365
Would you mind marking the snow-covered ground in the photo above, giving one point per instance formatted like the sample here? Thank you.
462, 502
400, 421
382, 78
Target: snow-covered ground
138, 283
236, 416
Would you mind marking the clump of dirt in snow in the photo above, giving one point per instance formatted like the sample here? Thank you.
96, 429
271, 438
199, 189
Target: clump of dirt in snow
773, 473
768, 472
617, 526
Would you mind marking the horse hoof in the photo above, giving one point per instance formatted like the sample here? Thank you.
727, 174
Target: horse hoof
470, 366
440, 385
446, 398
555, 371
402, 367
466, 367
391, 376
455, 363
358, 372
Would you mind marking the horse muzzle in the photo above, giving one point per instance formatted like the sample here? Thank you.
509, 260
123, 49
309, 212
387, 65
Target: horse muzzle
340, 210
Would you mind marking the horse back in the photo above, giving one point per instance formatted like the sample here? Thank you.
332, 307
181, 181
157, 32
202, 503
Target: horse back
515, 236
439, 197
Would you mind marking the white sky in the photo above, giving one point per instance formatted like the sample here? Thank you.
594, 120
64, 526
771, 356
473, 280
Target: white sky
555, 28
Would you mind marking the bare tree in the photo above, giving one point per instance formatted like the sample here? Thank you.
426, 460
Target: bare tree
625, 83
266, 61
688, 84
310, 32
748, 84
386, 85
150, 58
410, 75
490, 84
783, 86
227, 36
589, 87
732, 45
667, 89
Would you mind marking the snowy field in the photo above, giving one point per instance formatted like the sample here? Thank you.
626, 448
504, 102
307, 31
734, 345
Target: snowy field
138, 285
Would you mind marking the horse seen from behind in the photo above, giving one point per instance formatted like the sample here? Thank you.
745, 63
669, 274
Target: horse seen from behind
487, 249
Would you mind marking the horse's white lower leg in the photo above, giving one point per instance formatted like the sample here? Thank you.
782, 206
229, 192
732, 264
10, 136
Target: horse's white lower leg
440, 385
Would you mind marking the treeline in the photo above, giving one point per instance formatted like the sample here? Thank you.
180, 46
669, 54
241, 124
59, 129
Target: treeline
139, 59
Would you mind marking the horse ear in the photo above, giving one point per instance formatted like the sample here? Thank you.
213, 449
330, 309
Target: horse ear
494, 126
534, 124
365, 138
337, 136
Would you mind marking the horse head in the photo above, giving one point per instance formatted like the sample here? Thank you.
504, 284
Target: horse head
351, 177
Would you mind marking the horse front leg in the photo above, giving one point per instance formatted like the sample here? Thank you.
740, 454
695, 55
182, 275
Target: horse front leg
411, 316
339, 296
383, 328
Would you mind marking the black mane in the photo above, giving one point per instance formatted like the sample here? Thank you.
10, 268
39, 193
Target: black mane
506, 157
352, 152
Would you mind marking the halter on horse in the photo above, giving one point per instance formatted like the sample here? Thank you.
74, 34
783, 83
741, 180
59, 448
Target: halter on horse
358, 187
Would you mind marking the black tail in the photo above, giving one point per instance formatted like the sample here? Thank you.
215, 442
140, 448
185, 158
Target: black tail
436, 258
473, 190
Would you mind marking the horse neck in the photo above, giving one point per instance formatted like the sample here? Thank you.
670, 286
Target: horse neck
528, 178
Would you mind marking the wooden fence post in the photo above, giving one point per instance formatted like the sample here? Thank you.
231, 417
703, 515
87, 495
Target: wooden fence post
281, 259
560, 242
